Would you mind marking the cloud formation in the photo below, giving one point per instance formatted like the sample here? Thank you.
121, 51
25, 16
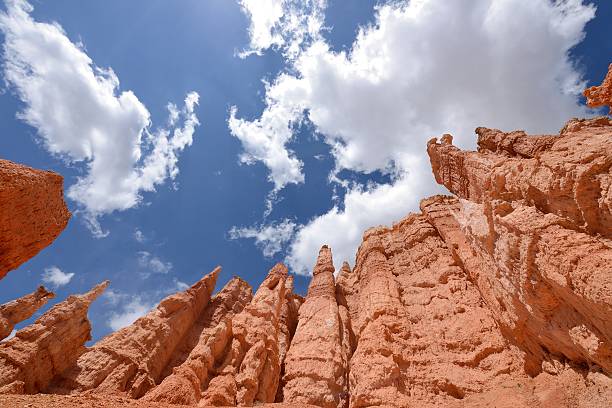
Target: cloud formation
82, 117
152, 264
130, 311
423, 68
55, 277
270, 238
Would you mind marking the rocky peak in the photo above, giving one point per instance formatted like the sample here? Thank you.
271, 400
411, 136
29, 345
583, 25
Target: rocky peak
22, 309
601, 95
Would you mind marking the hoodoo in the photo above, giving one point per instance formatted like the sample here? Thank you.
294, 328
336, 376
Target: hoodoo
21, 309
497, 295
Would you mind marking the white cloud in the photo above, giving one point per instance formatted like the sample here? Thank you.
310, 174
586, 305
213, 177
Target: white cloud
282, 24
264, 15
139, 236
55, 277
269, 238
424, 68
152, 264
179, 286
133, 309
81, 116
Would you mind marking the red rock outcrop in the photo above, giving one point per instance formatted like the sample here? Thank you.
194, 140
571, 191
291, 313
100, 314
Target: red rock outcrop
316, 368
288, 324
188, 380
567, 175
601, 95
39, 352
22, 309
498, 296
250, 371
131, 360
33, 212
550, 255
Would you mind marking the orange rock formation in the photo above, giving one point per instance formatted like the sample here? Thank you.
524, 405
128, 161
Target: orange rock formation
601, 95
41, 351
33, 212
315, 367
190, 378
131, 360
500, 295
250, 371
21, 309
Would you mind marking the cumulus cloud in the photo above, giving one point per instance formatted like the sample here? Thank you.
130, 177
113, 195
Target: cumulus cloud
269, 238
130, 311
82, 117
152, 264
282, 24
55, 277
423, 68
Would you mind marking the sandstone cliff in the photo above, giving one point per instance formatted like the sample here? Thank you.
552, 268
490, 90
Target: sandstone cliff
21, 309
190, 378
251, 368
39, 352
33, 212
131, 360
316, 368
500, 295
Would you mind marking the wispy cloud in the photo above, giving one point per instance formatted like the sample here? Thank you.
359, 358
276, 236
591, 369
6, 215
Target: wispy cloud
55, 277
269, 238
129, 312
152, 264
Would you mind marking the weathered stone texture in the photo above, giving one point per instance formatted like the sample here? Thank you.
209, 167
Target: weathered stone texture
22, 309
132, 359
250, 371
39, 352
189, 378
569, 175
316, 368
32, 215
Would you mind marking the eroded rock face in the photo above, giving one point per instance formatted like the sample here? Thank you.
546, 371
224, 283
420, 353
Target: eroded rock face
39, 352
190, 378
568, 175
33, 212
250, 371
22, 309
316, 368
601, 95
131, 360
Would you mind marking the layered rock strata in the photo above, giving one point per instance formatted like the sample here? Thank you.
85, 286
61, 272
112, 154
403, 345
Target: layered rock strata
39, 352
33, 212
188, 380
131, 360
567, 175
22, 309
250, 371
316, 368
288, 324
544, 267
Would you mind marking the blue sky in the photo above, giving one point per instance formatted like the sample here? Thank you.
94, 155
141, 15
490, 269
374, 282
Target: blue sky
308, 131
